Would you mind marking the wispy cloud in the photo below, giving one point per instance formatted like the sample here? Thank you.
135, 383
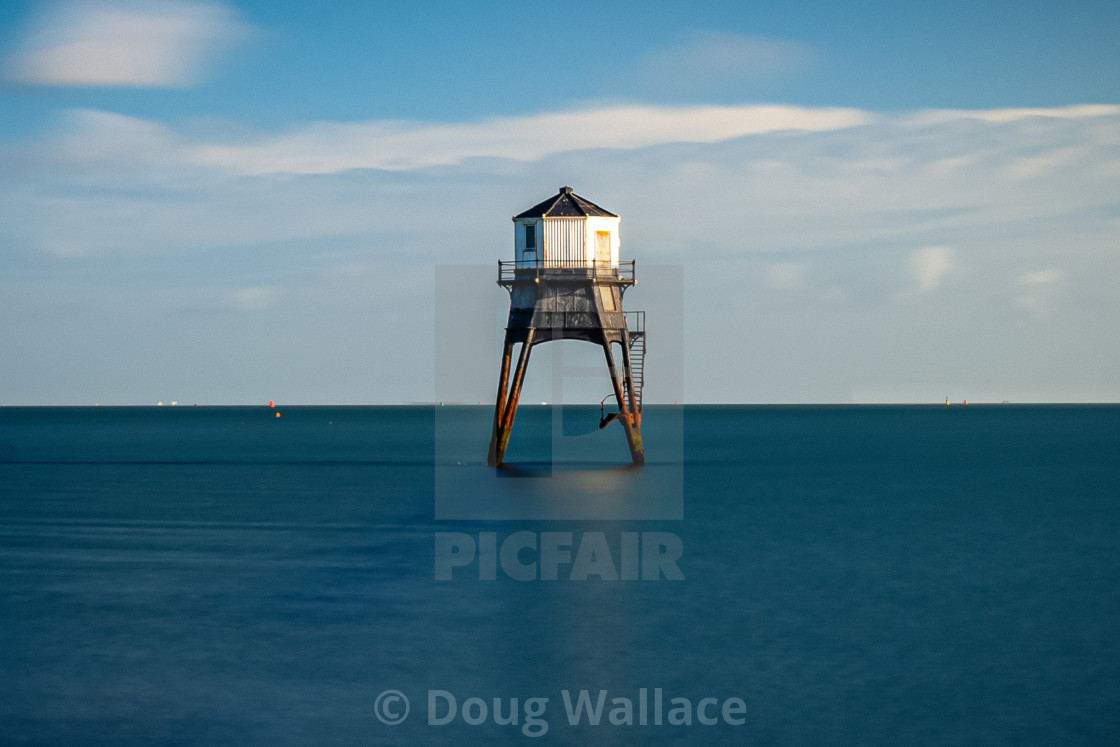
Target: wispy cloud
774, 179
332, 147
876, 147
92, 136
704, 62
397, 145
253, 298
1038, 291
1040, 277
786, 275
929, 266
114, 43
885, 248
1011, 114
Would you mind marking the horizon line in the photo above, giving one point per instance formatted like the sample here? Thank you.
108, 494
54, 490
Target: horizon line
445, 403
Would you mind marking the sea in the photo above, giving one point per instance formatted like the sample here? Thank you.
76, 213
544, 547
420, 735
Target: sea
774, 575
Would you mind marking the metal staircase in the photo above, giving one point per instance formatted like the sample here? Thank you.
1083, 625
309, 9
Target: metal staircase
636, 329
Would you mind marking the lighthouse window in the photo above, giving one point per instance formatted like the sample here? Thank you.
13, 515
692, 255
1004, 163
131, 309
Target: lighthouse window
530, 237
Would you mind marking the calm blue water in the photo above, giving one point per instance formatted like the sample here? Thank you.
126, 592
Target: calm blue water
857, 575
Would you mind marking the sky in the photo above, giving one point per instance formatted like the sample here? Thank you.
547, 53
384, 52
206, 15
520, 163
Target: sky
858, 202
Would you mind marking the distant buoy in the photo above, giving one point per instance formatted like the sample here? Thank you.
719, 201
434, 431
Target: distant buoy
271, 403
966, 401
277, 414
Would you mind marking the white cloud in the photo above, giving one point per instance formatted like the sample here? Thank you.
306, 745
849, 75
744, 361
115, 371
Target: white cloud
1040, 277
852, 149
929, 266
1039, 292
93, 136
786, 275
734, 179
253, 298
333, 147
124, 44
1006, 115
847, 213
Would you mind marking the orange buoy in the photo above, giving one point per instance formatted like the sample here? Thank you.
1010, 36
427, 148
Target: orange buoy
271, 403
277, 414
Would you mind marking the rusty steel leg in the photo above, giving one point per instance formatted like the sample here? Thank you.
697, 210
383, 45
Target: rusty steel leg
630, 424
507, 409
514, 395
500, 405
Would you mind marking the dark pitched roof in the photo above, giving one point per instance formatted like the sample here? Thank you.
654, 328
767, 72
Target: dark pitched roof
566, 204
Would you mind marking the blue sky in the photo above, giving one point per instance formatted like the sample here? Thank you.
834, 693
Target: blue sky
237, 202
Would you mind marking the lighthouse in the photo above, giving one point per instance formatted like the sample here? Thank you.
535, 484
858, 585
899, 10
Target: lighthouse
566, 282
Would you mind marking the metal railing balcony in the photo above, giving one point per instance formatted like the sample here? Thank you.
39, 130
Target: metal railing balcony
526, 270
635, 322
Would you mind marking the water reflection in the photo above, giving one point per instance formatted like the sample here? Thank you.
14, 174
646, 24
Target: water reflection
548, 475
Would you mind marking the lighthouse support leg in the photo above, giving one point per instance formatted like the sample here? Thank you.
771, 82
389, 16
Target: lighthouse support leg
500, 405
506, 406
630, 421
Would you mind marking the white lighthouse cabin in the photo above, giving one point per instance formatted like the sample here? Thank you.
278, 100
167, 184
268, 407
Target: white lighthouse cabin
566, 231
